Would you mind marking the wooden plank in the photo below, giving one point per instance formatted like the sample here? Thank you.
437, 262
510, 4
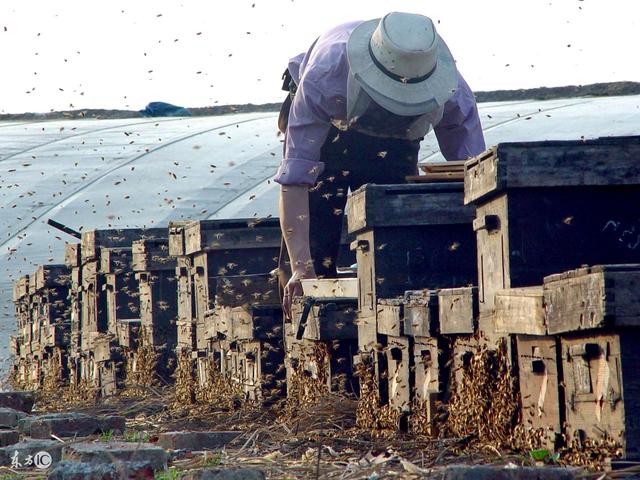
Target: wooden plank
420, 313
398, 373
330, 287
538, 358
594, 297
457, 165
458, 310
427, 369
72, 254
407, 205
434, 177
390, 316
603, 161
520, 310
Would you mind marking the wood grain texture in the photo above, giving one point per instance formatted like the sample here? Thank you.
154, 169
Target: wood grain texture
538, 358
603, 161
231, 234
407, 205
458, 310
595, 297
420, 313
520, 310
390, 316
602, 387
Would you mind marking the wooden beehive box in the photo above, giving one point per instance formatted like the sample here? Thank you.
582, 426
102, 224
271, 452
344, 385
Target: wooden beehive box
120, 286
602, 388
593, 297
156, 276
409, 237
420, 313
520, 310
458, 310
322, 343
547, 207
92, 240
539, 380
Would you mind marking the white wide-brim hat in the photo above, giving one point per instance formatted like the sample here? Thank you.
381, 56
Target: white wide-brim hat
402, 63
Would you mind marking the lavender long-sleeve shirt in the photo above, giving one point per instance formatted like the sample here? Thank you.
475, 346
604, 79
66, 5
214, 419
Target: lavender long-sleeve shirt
321, 76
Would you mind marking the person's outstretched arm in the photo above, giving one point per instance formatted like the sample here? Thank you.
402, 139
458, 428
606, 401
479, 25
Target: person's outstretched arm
294, 222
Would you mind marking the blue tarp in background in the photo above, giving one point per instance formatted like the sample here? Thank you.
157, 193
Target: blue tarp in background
163, 109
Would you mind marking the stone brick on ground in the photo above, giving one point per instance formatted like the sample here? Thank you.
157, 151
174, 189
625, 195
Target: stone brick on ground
22, 401
488, 472
225, 474
69, 470
9, 437
9, 417
70, 425
31, 447
211, 440
110, 452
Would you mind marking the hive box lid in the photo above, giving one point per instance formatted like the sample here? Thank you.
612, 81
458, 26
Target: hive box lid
407, 205
599, 162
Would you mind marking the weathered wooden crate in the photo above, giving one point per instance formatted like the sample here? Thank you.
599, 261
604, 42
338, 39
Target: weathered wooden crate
593, 297
92, 240
547, 207
520, 310
539, 378
602, 388
458, 310
410, 237
93, 316
322, 337
155, 273
421, 313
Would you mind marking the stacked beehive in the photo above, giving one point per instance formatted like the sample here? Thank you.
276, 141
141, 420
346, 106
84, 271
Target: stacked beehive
321, 341
210, 349
44, 323
410, 239
549, 207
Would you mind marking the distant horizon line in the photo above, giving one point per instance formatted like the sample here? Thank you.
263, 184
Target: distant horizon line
602, 89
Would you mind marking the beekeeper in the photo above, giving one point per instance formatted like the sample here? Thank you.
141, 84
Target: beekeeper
361, 100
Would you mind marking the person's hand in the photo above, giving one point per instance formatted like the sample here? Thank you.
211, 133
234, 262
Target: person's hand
293, 288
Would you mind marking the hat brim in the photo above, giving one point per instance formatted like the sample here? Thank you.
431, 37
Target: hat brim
398, 97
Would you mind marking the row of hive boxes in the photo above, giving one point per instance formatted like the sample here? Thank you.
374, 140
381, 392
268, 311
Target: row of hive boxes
577, 384
41, 311
525, 211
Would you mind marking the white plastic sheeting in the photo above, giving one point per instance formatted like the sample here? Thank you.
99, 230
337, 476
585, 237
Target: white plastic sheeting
145, 172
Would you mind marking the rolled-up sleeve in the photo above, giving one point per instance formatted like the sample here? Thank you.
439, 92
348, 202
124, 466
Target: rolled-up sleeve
459, 133
309, 124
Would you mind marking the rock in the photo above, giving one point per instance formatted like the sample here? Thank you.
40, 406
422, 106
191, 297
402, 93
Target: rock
487, 472
70, 425
22, 401
63, 425
69, 470
225, 474
8, 437
108, 452
9, 417
31, 448
196, 440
